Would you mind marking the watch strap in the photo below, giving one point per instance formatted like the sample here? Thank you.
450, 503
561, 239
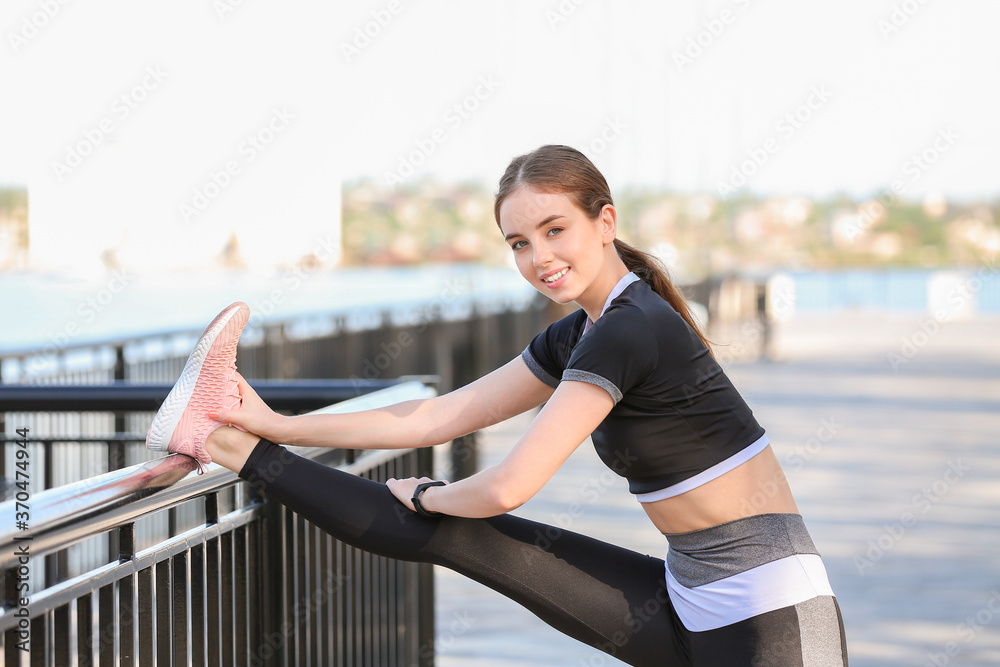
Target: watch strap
416, 498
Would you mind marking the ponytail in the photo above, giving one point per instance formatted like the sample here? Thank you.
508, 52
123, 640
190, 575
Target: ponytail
652, 272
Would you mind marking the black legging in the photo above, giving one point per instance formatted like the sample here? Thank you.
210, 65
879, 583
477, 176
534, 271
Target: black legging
610, 598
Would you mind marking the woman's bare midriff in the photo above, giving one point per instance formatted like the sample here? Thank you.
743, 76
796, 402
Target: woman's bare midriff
755, 487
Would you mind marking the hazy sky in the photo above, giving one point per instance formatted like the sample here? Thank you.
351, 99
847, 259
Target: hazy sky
260, 109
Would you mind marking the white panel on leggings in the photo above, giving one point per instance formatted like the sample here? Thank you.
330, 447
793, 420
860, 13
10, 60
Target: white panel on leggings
780, 583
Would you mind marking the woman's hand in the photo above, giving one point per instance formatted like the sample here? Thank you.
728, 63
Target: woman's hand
403, 489
253, 415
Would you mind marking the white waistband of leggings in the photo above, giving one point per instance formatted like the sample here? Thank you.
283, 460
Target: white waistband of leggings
718, 470
781, 583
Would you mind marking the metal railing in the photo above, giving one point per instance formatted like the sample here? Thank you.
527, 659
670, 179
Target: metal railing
207, 572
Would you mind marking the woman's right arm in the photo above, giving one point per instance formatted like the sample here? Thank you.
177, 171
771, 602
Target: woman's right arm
507, 391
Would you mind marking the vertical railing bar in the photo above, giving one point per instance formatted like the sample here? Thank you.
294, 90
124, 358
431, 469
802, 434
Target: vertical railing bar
329, 582
86, 629
301, 591
164, 630
39, 639
255, 601
107, 626
240, 599
312, 594
212, 600
179, 602
147, 617
131, 613
291, 590
271, 577
344, 584
226, 597
199, 625
361, 644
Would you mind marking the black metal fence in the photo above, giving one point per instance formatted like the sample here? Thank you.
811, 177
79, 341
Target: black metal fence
204, 571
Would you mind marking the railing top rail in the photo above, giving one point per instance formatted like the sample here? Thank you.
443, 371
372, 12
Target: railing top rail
68, 514
133, 396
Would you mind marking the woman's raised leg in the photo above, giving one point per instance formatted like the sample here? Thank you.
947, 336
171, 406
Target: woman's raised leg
610, 598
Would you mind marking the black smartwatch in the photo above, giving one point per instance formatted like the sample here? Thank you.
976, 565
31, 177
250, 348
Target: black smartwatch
416, 498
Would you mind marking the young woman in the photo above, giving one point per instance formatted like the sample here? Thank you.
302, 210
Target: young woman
742, 583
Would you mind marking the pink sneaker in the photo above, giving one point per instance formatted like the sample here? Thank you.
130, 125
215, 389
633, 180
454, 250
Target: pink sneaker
208, 382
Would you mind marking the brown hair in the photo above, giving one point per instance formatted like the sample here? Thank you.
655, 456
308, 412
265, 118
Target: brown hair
565, 170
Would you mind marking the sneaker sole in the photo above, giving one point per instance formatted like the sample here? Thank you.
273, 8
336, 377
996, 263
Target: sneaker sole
172, 409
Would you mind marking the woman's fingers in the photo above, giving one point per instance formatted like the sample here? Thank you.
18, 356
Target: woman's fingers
403, 488
251, 412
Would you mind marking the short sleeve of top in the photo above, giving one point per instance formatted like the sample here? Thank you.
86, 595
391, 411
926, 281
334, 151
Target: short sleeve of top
616, 353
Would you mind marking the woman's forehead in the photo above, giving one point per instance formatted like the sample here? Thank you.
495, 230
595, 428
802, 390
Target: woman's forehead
526, 206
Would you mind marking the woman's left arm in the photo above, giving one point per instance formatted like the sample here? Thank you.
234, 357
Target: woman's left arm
572, 413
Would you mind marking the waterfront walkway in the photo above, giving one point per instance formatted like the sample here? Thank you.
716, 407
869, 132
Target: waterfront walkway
894, 461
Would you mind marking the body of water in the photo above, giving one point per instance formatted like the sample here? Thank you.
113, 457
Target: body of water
40, 311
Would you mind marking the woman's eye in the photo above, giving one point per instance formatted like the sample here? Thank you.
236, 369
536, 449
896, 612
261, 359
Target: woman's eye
517, 245
554, 231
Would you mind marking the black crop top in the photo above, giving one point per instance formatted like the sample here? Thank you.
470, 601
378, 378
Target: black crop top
676, 417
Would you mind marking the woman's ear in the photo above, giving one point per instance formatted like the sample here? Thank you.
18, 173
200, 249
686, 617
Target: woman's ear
609, 223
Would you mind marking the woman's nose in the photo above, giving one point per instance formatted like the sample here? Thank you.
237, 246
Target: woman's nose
542, 255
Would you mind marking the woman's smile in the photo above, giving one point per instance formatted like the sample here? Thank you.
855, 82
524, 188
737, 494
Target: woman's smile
556, 278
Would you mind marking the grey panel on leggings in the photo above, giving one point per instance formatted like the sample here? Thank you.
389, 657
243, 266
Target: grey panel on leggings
703, 556
820, 632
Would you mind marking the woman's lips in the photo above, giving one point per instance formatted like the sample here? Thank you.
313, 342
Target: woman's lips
556, 279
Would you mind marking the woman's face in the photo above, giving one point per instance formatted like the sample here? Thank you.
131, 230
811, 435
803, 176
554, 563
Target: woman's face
557, 248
